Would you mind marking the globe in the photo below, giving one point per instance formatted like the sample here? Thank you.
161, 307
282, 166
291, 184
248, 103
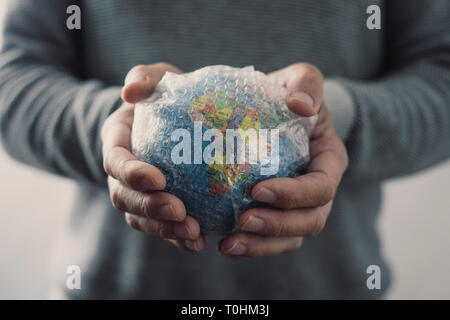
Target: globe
215, 133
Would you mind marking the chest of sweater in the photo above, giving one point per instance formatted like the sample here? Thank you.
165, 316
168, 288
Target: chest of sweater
331, 34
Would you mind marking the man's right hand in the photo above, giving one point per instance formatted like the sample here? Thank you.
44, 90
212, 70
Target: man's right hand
135, 187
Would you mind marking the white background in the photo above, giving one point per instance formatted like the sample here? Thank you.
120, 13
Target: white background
414, 228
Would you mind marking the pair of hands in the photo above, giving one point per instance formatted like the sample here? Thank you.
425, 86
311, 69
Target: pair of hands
303, 203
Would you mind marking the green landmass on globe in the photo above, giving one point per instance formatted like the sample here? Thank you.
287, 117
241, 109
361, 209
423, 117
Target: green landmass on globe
219, 110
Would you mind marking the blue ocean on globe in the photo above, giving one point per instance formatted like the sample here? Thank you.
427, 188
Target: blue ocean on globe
172, 131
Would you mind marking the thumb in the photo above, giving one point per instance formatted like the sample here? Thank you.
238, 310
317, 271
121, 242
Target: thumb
304, 84
142, 80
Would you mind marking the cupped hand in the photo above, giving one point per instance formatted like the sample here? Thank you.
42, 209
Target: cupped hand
135, 187
301, 204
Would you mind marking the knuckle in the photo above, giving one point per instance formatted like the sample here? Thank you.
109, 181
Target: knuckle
328, 194
317, 225
106, 166
163, 230
296, 191
132, 173
290, 202
132, 221
323, 191
148, 226
143, 205
279, 229
140, 68
274, 227
116, 200
309, 73
129, 173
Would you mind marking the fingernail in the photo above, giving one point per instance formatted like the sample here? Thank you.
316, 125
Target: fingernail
265, 195
136, 77
303, 97
182, 231
253, 224
147, 184
238, 249
166, 212
191, 245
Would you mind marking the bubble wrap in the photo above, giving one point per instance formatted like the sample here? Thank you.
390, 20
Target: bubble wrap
220, 98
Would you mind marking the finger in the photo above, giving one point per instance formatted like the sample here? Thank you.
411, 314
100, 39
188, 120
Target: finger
139, 89
157, 205
315, 188
141, 81
249, 245
116, 130
304, 84
310, 190
328, 157
190, 245
285, 223
119, 162
156, 70
122, 165
185, 230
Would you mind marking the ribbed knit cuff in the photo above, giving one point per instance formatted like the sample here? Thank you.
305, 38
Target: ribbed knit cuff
340, 106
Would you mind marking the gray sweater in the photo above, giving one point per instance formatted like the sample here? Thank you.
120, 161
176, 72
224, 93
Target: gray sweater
388, 91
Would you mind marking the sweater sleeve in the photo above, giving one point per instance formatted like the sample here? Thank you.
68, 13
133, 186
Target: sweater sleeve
402, 119
49, 117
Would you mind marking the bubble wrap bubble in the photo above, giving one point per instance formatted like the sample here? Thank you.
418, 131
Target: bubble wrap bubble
221, 98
